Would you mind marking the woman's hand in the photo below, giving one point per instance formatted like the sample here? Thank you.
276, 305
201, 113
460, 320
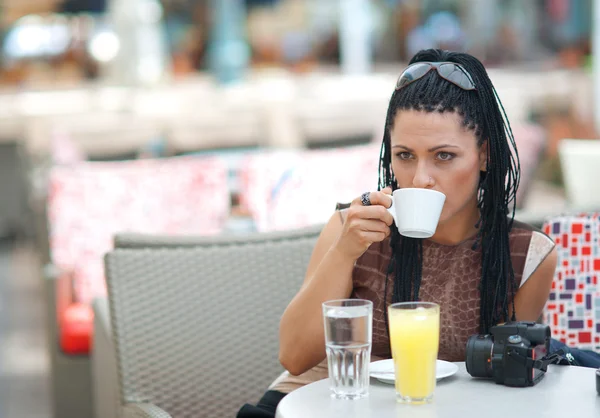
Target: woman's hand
365, 225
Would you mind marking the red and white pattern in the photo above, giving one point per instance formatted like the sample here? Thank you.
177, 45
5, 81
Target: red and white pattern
293, 189
573, 309
90, 202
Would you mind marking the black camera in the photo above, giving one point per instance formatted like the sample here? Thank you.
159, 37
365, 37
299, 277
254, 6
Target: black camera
513, 354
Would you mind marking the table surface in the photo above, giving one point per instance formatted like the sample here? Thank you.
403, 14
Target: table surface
564, 391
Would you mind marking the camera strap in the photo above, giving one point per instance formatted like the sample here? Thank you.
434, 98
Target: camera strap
540, 364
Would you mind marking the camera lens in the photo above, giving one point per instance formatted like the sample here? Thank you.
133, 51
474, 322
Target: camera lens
479, 355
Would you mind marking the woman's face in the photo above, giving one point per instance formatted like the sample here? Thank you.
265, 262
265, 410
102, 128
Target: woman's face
433, 150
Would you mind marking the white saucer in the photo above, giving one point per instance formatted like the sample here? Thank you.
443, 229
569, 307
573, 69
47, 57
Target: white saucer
383, 370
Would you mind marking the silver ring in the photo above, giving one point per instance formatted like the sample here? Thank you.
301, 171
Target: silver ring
365, 199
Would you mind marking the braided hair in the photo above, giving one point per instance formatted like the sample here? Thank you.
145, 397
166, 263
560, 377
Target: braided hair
482, 113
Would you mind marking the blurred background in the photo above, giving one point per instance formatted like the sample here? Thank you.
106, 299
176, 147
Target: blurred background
236, 117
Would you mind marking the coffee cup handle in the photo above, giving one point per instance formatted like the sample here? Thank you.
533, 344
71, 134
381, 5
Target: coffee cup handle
392, 210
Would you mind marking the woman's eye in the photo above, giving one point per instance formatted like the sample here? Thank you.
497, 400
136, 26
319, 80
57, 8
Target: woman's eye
445, 156
404, 155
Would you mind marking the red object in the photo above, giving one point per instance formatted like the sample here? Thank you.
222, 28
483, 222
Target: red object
596, 264
586, 250
585, 337
76, 329
576, 228
579, 298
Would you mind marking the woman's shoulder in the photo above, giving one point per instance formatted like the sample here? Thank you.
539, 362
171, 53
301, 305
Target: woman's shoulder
523, 235
519, 227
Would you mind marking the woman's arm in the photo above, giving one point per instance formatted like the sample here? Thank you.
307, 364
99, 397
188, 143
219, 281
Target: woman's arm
532, 296
328, 277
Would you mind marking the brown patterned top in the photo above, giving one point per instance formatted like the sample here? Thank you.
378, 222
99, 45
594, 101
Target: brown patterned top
450, 278
451, 275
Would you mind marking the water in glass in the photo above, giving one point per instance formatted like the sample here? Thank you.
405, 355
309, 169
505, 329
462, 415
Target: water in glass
348, 333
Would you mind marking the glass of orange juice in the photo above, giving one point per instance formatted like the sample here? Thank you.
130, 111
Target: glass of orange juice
415, 339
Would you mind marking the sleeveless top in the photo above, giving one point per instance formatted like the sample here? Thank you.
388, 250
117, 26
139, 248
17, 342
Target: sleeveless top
450, 278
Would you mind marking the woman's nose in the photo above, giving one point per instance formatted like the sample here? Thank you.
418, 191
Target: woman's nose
422, 180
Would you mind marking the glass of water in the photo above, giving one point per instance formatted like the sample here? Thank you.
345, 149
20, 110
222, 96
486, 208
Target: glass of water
348, 336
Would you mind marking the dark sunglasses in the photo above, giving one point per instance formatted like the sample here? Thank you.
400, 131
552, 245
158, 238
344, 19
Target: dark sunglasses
449, 71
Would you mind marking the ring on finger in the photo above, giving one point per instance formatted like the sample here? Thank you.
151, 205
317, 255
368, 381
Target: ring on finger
365, 199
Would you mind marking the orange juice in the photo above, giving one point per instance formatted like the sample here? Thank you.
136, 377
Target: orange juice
414, 338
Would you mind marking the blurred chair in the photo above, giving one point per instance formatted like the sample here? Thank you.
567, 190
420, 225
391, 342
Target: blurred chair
573, 309
323, 122
87, 132
54, 102
212, 128
87, 204
14, 191
294, 189
334, 108
90, 202
195, 327
581, 170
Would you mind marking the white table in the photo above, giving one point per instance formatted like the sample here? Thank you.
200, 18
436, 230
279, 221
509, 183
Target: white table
565, 391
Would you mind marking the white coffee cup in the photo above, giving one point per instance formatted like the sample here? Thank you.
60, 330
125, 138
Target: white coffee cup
417, 212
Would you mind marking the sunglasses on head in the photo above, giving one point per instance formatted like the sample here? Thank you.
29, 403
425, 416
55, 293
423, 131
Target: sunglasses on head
449, 71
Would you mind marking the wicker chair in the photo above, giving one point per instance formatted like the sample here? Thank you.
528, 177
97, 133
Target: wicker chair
105, 382
130, 240
195, 326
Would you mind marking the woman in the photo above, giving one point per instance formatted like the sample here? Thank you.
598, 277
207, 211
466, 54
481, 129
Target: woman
445, 130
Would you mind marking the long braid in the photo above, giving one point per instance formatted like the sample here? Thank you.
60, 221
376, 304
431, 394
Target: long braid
483, 113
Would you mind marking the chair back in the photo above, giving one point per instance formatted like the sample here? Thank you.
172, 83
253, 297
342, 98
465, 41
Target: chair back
89, 202
285, 190
573, 309
196, 328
